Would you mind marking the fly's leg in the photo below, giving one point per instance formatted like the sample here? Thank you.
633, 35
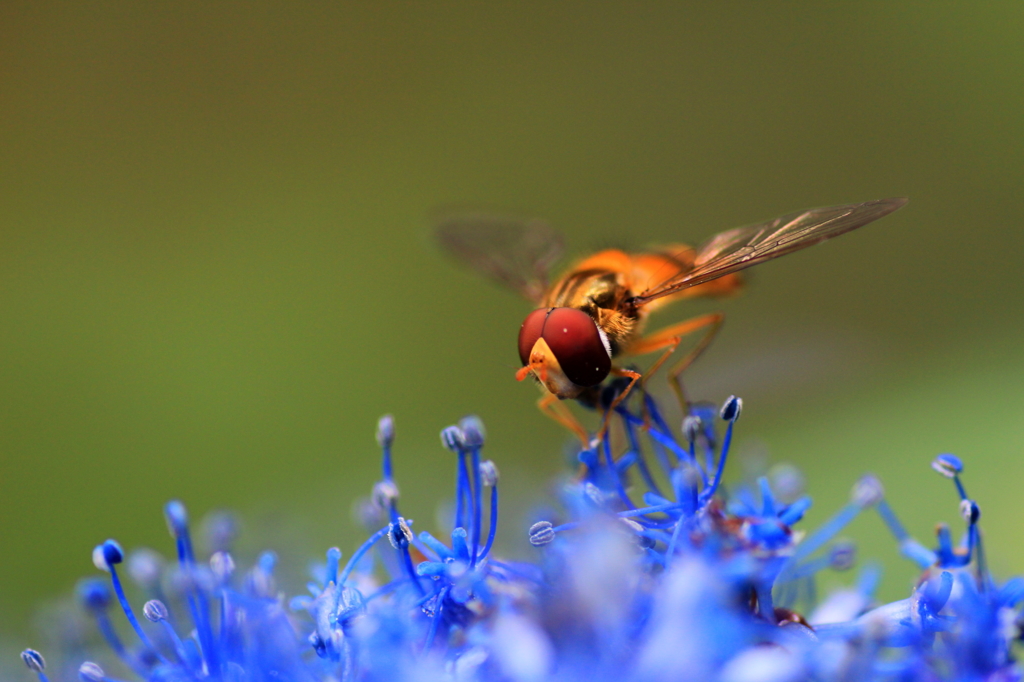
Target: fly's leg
634, 377
668, 339
554, 408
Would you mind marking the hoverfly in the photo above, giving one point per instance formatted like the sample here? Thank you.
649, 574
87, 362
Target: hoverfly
595, 312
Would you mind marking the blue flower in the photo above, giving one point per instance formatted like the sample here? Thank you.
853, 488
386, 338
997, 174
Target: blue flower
650, 571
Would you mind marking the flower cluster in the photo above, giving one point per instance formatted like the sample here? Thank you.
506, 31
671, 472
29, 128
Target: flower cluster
682, 581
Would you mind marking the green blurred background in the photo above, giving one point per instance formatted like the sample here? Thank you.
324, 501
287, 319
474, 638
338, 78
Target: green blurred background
216, 270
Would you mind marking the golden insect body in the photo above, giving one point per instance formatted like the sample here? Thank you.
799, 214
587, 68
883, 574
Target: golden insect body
595, 312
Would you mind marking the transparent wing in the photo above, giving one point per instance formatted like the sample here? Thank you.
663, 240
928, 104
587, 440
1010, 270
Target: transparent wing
513, 252
743, 247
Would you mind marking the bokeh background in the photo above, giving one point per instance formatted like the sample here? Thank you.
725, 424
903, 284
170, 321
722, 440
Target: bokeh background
216, 269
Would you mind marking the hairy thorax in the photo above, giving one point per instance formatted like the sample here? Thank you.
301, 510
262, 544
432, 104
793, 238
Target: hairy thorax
601, 294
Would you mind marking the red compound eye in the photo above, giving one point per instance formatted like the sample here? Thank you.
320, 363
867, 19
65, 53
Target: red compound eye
531, 330
576, 342
573, 337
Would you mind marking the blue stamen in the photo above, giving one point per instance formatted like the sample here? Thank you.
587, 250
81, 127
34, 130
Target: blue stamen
145, 567
110, 636
668, 443
908, 546
453, 439
971, 513
945, 549
436, 546
671, 552
385, 437
432, 632
767, 498
765, 606
459, 544
90, 672
112, 554
950, 466
827, 531
589, 459
947, 465
385, 589
892, 522
464, 494
361, 552
655, 413
477, 505
541, 533
840, 557
333, 559
410, 569
423, 549
224, 636
625, 463
691, 433
177, 523
648, 510
730, 412
960, 488
35, 662
400, 536
658, 431
629, 426
613, 473
794, 512
805, 570
493, 529
156, 612
431, 569
93, 594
